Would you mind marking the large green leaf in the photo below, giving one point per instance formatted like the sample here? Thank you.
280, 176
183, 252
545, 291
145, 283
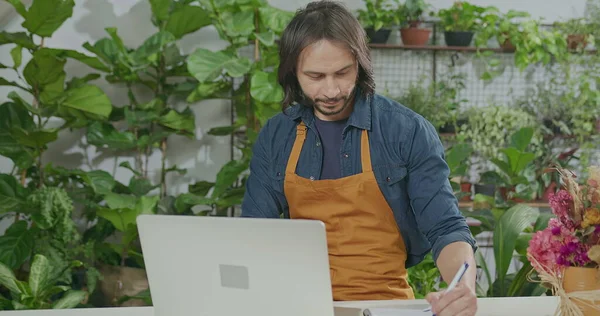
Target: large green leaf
238, 24
19, 6
206, 65
512, 223
89, 99
35, 138
70, 300
88, 60
152, 46
12, 197
17, 56
274, 18
40, 275
187, 19
4, 82
228, 175
106, 49
124, 209
8, 279
521, 139
99, 180
105, 135
160, 9
186, 201
182, 122
46, 16
16, 245
209, 90
44, 68
264, 87
15, 115
19, 38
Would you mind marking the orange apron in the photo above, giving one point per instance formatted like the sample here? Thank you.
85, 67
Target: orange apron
366, 251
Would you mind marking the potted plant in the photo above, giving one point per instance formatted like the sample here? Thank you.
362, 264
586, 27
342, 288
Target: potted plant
460, 22
503, 27
578, 32
513, 176
377, 19
457, 158
412, 16
566, 255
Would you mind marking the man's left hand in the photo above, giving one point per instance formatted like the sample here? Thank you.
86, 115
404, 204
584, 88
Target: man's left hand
461, 301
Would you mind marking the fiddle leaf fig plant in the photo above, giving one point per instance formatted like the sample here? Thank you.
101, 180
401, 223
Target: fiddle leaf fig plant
243, 24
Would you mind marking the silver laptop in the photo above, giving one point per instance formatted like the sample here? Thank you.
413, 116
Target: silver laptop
209, 266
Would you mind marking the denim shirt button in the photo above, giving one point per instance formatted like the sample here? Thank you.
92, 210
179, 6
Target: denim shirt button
346, 155
312, 178
278, 174
388, 179
318, 144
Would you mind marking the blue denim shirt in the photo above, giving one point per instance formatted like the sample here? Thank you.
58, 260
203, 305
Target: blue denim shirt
408, 161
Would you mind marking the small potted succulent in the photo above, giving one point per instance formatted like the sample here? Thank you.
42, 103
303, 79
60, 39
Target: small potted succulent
411, 13
460, 23
377, 19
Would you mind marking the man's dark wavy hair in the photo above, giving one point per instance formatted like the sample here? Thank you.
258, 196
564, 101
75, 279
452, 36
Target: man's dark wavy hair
319, 20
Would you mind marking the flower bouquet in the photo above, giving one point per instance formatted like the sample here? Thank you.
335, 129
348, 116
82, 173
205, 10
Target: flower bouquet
566, 255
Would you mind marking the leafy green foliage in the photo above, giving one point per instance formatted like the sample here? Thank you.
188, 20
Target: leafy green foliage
39, 290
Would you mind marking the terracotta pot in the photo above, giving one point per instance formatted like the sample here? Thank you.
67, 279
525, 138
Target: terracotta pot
466, 188
582, 279
415, 36
117, 282
575, 41
508, 45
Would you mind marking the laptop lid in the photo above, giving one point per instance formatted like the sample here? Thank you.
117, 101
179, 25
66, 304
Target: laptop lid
207, 266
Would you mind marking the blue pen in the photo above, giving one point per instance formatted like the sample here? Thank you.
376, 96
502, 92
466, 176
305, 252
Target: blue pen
457, 278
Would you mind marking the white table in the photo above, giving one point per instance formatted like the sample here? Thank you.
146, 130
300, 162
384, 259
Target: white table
512, 306
501, 306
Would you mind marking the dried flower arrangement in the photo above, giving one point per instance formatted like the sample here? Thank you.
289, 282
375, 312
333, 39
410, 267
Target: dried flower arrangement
571, 240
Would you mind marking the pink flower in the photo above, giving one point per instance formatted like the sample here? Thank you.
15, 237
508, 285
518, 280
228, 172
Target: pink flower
562, 205
556, 246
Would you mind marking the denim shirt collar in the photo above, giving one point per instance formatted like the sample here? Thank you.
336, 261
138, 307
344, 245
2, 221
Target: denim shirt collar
360, 117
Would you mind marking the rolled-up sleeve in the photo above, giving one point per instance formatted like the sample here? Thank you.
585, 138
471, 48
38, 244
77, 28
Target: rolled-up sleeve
261, 199
433, 201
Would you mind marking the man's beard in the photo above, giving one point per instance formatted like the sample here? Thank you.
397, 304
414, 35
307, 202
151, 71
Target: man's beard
317, 104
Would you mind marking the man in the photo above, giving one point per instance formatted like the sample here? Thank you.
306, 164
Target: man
371, 169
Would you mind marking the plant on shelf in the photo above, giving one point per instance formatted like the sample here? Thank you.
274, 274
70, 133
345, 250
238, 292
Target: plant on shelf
458, 160
566, 255
532, 43
460, 22
377, 18
514, 176
437, 102
488, 129
578, 31
412, 12
502, 26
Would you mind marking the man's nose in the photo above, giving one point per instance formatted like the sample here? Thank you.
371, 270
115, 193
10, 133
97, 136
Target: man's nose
331, 88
